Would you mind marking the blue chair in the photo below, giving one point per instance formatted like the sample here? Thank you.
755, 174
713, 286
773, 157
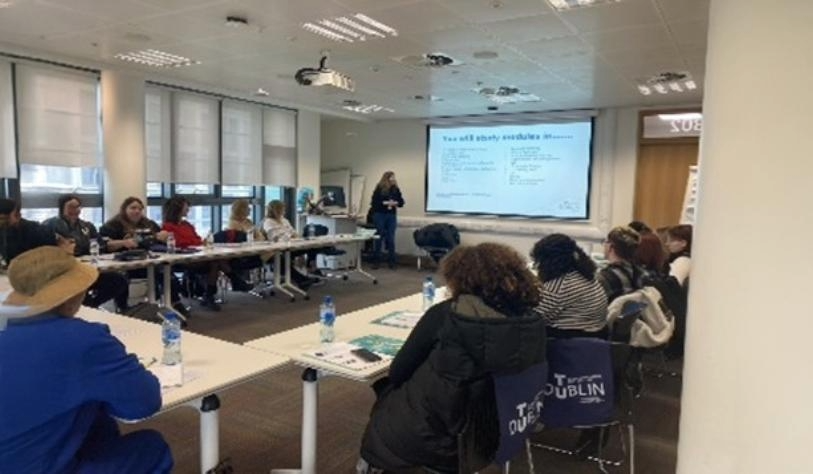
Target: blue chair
517, 409
586, 389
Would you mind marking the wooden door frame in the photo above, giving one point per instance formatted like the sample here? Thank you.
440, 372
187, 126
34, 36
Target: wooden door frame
658, 141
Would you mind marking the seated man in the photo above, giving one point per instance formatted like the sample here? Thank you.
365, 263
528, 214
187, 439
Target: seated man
18, 235
68, 225
64, 379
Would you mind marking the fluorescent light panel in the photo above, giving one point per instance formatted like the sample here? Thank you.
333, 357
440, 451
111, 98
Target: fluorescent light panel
359, 27
156, 58
667, 87
367, 108
564, 5
684, 116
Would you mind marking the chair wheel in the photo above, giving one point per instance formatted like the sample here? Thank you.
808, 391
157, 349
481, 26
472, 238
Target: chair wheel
293, 298
344, 277
307, 297
375, 282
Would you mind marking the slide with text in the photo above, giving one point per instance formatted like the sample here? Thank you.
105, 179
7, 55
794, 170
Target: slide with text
528, 170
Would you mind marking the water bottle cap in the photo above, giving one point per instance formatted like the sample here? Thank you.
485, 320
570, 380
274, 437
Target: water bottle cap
328, 299
429, 278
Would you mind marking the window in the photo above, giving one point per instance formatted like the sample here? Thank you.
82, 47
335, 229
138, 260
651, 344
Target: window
238, 191
195, 189
155, 213
155, 190
41, 186
201, 218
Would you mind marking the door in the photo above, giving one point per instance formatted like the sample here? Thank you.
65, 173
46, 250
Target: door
660, 181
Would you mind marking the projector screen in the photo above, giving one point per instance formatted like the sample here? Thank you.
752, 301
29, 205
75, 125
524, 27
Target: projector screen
531, 170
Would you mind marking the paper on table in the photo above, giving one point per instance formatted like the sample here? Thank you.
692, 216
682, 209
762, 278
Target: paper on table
170, 375
381, 345
341, 354
400, 319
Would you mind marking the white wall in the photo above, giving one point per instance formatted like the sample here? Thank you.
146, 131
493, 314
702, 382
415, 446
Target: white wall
370, 149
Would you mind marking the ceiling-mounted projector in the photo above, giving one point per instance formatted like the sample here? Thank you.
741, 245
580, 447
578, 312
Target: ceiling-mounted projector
324, 77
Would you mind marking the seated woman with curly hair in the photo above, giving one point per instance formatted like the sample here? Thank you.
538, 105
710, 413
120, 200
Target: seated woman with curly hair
440, 378
574, 303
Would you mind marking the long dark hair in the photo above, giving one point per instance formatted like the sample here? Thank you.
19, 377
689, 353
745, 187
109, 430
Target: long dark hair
558, 254
173, 209
650, 253
64, 199
384, 183
682, 232
123, 209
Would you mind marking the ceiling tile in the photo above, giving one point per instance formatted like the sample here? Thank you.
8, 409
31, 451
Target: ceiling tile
541, 50
629, 39
421, 16
464, 36
532, 28
610, 16
682, 10
39, 19
109, 10
484, 11
364, 6
689, 33
177, 5
297, 11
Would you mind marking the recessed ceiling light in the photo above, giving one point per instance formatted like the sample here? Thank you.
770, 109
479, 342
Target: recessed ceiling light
506, 94
563, 5
667, 82
358, 107
260, 92
156, 58
348, 29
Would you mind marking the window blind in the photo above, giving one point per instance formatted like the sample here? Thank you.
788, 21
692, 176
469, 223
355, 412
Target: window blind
157, 129
279, 147
8, 160
195, 123
58, 117
242, 144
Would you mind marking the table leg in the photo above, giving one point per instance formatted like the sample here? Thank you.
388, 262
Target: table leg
168, 285
278, 282
209, 432
359, 268
310, 409
288, 283
151, 284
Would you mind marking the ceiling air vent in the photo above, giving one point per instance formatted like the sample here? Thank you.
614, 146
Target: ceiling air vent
430, 60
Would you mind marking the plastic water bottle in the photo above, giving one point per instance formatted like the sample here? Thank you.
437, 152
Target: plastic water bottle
94, 251
309, 232
171, 338
209, 242
327, 318
428, 293
171, 243
250, 237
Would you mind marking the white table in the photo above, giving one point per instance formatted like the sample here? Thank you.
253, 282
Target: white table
294, 343
215, 365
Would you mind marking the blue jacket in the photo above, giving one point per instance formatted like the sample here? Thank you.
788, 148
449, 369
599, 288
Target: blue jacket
56, 374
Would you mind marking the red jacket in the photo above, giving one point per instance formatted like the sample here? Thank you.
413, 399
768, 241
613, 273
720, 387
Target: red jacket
185, 235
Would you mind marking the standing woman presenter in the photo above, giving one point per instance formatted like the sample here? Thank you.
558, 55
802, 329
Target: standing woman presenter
385, 202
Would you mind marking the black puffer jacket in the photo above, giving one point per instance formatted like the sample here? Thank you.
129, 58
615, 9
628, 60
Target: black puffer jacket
416, 423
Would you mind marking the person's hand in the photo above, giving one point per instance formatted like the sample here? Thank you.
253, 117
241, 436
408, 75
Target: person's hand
129, 244
162, 236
